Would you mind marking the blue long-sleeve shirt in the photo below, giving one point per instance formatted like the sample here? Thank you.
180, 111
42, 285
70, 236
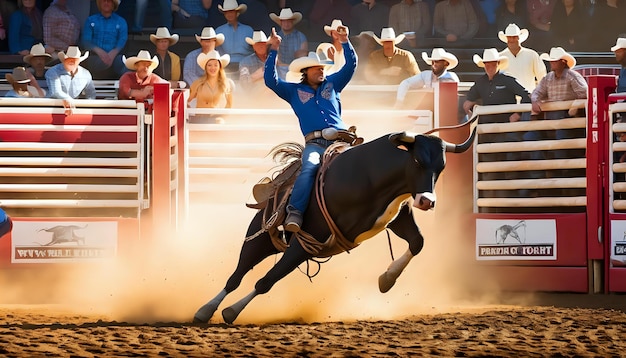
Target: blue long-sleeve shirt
108, 33
62, 85
315, 109
20, 29
235, 41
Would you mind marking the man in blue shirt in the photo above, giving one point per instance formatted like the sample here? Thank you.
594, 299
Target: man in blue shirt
315, 101
68, 80
620, 56
235, 33
105, 34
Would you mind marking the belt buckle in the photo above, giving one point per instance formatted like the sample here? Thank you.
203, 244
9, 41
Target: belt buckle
330, 133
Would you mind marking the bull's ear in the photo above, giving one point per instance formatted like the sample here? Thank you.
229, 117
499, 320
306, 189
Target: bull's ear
401, 138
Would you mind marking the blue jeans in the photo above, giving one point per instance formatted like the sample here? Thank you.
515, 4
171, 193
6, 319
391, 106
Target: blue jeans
311, 160
165, 14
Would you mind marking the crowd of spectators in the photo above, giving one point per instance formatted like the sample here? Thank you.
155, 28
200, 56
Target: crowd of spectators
577, 25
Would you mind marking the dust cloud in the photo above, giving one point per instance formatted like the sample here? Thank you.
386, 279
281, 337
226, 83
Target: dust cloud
168, 280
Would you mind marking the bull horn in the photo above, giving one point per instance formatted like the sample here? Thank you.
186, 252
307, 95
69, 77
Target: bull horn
460, 148
469, 122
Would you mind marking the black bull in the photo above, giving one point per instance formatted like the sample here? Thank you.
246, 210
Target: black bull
366, 190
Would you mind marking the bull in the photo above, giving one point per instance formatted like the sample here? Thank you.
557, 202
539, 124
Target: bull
367, 188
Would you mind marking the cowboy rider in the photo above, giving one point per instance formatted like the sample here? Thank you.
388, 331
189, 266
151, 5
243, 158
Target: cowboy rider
315, 101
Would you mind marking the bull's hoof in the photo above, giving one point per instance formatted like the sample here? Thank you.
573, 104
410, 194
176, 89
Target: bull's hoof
229, 315
386, 282
205, 313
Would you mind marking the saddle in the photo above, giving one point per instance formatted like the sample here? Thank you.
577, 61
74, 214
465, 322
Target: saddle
272, 196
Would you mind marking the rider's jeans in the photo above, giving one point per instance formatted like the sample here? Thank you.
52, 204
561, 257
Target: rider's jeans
311, 160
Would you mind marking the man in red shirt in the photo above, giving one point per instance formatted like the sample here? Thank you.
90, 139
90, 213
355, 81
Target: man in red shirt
137, 85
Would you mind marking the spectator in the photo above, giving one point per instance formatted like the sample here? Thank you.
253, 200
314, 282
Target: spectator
560, 84
369, 15
390, 64
214, 89
455, 20
620, 56
138, 83
61, 28
20, 81
364, 45
168, 66
540, 17
324, 11
234, 32
105, 34
486, 10
332, 51
3, 35
495, 88
252, 18
569, 25
208, 40
512, 12
165, 14
68, 80
413, 17
25, 27
524, 63
607, 24
190, 14
251, 67
440, 63
37, 60
315, 101
294, 44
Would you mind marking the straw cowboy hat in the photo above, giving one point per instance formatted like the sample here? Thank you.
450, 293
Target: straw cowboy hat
513, 30
490, 55
387, 34
19, 76
209, 33
333, 26
143, 55
36, 51
73, 52
233, 5
440, 54
257, 36
203, 58
286, 14
558, 53
312, 59
620, 43
163, 33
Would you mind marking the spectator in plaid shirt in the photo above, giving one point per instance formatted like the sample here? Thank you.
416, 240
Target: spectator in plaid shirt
61, 27
105, 35
294, 43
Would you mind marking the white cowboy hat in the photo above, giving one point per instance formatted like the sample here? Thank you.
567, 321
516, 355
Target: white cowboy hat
73, 52
440, 54
558, 53
143, 55
491, 55
323, 49
203, 58
209, 33
387, 34
163, 33
286, 14
513, 30
333, 26
312, 59
620, 43
257, 36
233, 5
19, 76
36, 51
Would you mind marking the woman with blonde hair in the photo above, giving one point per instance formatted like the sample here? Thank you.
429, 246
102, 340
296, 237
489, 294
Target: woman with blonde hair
214, 89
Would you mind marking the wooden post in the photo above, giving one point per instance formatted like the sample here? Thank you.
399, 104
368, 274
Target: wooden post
162, 199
